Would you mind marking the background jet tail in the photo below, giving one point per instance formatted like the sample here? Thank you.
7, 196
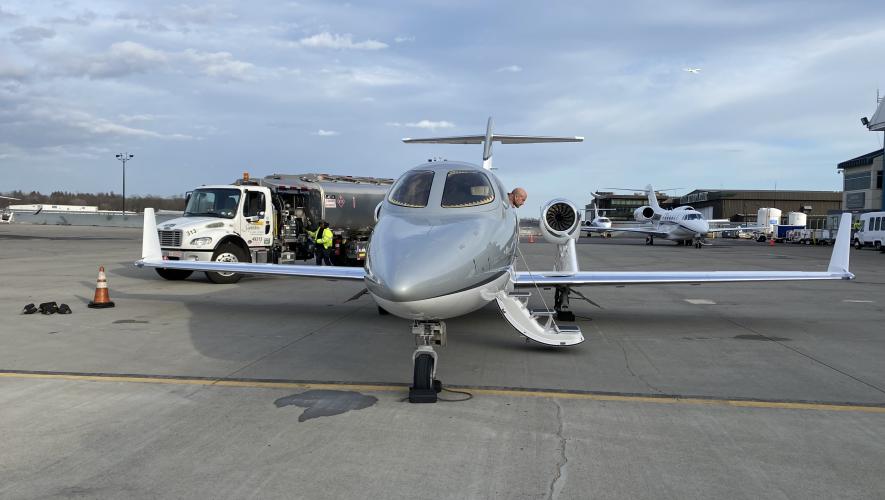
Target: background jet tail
652, 198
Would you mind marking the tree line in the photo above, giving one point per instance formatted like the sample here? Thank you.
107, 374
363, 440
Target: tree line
104, 201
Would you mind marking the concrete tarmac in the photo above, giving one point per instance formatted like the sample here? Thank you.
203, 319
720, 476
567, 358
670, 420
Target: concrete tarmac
189, 388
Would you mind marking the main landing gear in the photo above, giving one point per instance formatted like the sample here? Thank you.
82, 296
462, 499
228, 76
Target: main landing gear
425, 386
649, 240
560, 304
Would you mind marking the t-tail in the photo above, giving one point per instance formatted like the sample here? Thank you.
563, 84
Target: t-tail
490, 137
652, 198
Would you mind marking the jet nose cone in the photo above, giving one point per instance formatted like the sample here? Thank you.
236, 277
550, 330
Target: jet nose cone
414, 259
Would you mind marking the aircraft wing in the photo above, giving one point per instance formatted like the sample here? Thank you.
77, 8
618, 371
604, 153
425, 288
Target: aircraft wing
837, 270
637, 230
152, 256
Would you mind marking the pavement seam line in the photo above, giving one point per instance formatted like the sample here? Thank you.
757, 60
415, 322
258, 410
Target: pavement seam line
382, 387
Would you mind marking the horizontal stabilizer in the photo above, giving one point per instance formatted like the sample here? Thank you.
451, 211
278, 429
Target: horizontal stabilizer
503, 139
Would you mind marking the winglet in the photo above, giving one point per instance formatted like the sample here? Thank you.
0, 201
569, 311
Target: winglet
150, 240
842, 249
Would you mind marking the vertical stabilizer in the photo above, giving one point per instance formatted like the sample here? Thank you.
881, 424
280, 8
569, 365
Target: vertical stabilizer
652, 198
487, 147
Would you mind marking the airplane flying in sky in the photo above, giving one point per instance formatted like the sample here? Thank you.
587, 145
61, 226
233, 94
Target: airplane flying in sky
445, 244
684, 224
692, 70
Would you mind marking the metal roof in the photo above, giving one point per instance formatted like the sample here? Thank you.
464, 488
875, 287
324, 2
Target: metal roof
860, 161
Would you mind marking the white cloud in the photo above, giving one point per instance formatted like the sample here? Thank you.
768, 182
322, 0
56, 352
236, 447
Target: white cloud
403, 39
220, 65
425, 124
326, 133
510, 69
125, 58
326, 40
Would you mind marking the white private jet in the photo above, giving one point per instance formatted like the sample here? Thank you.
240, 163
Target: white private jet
598, 223
693, 71
684, 224
445, 244
9, 198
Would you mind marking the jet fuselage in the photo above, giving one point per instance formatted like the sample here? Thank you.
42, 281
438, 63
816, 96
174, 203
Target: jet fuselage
444, 243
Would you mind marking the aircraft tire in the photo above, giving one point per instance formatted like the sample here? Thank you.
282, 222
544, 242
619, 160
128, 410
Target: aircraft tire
227, 253
423, 372
173, 274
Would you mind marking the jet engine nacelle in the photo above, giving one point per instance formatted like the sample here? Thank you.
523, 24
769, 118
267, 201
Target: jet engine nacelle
643, 214
560, 221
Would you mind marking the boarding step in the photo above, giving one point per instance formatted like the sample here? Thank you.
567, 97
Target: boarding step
526, 322
543, 312
519, 294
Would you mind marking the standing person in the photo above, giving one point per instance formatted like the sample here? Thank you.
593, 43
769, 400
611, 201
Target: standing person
517, 197
323, 243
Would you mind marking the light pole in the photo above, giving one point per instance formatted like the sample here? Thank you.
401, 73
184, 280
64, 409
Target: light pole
124, 157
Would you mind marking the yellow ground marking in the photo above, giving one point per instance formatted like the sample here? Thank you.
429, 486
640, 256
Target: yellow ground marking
489, 392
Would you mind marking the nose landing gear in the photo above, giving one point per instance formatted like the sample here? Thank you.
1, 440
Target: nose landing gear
425, 386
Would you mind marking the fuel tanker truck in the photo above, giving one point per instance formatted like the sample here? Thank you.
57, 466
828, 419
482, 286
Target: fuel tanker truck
272, 220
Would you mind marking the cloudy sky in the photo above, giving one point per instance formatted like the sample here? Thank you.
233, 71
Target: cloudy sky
200, 92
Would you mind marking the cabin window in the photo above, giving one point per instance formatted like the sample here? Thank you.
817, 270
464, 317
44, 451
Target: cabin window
413, 189
467, 188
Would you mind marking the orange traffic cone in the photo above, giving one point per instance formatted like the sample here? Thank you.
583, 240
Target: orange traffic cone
771, 242
101, 299
531, 238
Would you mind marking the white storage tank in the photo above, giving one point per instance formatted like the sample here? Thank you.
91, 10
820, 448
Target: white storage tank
768, 217
797, 219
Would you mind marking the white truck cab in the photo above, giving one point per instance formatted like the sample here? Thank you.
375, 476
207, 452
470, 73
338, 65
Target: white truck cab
220, 223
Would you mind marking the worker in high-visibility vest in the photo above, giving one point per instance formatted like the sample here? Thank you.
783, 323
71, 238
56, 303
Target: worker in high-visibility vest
322, 243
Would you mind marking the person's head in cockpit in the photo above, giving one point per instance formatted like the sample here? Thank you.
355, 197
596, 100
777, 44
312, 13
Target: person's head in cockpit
517, 197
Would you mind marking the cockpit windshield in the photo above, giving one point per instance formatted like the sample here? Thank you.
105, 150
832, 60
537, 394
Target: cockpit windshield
467, 188
413, 189
693, 217
213, 203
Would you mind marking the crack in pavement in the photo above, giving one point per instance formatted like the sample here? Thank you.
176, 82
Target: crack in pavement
559, 477
629, 369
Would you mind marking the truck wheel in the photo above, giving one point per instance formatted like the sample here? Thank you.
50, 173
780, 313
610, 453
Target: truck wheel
174, 274
227, 253
857, 244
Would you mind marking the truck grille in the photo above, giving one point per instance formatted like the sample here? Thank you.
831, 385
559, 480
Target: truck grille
170, 238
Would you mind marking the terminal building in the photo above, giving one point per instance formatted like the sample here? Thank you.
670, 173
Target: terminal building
862, 178
737, 205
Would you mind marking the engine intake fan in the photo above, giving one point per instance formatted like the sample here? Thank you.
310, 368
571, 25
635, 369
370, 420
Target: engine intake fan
560, 221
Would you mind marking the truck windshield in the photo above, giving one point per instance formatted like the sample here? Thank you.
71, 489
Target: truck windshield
213, 203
